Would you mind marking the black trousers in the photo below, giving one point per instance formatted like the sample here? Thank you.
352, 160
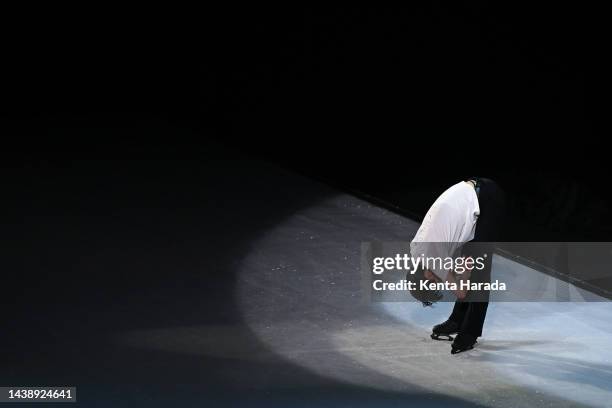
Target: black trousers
470, 315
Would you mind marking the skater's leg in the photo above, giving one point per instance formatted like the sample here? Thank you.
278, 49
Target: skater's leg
471, 328
470, 317
477, 304
474, 319
459, 311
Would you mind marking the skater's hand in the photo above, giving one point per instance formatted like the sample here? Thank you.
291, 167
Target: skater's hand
461, 277
429, 275
456, 279
461, 294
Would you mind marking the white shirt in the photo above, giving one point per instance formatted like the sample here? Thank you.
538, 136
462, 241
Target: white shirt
450, 220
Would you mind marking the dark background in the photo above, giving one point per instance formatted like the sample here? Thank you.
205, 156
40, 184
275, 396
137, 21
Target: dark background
132, 182
394, 104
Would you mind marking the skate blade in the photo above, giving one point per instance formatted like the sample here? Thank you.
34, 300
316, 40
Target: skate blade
442, 337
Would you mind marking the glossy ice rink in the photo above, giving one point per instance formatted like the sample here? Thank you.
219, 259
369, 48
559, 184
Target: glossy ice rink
300, 292
234, 283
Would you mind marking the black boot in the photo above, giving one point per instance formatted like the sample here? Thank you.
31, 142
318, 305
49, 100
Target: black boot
443, 331
463, 342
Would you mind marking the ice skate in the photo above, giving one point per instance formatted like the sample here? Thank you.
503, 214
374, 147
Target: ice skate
444, 331
463, 342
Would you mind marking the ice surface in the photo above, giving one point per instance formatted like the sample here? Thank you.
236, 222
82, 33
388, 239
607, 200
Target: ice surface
300, 292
